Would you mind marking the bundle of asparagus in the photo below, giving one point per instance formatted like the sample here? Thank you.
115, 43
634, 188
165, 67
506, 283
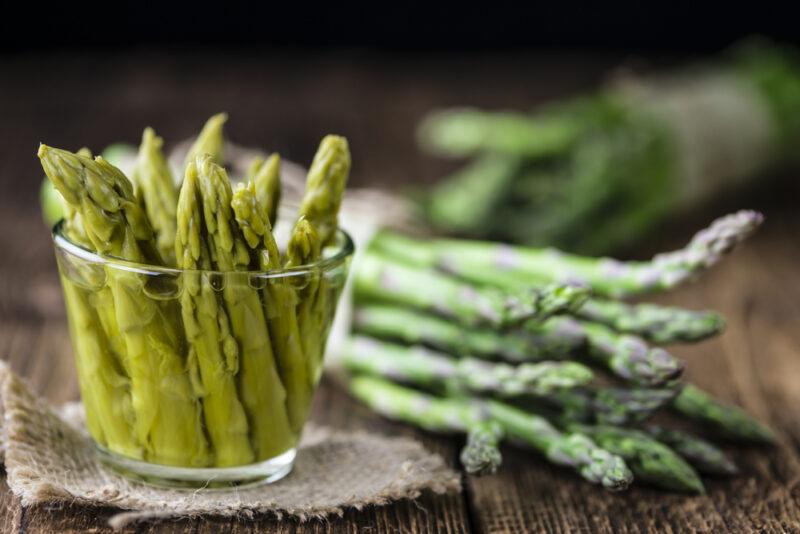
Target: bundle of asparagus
618, 161
502, 342
219, 372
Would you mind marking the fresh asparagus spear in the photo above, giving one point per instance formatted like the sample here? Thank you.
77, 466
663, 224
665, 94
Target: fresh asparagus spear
280, 301
513, 268
156, 188
461, 132
411, 327
266, 175
213, 351
162, 396
481, 455
703, 455
651, 461
659, 324
610, 405
630, 357
426, 368
210, 141
381, 279
729, 421
461, 415
260, 387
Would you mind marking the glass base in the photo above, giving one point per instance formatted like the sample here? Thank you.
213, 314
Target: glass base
221, 478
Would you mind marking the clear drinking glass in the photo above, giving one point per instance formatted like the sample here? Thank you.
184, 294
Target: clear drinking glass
198, 378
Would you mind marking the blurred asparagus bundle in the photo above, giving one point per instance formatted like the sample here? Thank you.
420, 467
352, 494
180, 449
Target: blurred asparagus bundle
593, 173
219, 375
436, 346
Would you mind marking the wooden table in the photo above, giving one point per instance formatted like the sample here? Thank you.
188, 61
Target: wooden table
288, 103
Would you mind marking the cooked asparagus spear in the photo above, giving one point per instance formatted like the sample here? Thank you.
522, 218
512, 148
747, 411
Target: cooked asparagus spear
703, 455
659, 324
381, 279
424, 367
260, 387
210, 141
461, 415
513, 268
481, 455
729, 421
411, 327
156, 189
650, 460
266, 175
280, 300
213, 352
162, 397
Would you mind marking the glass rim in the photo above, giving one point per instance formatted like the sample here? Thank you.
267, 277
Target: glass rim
344, 250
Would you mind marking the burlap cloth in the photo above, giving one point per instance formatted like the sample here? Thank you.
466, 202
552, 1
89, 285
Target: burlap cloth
50, 458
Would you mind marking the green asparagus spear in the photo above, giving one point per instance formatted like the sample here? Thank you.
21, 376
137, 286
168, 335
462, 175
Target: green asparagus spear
630, 357
213, 351
659, 324
167, 413
729, 421
461, 415
385, 280
325, 183
610, 405
411, 327
266, 175
210, 141
462, 132
573, 450
260, 387
481, 455
156, 188
703, 455
280, 301
426, 368
651, 461
513, 268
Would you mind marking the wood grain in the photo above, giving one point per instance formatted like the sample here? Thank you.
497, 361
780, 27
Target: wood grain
286, 103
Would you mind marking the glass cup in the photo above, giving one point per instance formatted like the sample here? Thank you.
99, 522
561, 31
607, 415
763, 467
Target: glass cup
198, 378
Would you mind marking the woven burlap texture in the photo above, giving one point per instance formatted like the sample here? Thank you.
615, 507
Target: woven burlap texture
49, 458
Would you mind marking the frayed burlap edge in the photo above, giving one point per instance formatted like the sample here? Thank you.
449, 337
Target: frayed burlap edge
47, 459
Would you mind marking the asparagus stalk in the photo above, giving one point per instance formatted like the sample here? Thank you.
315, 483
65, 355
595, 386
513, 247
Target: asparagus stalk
381, 279
167, 412
513, 268
651, 461
427, 368
658, 324
260, 387
729, 421
266, 175
316, 228
462, 415
413, 328
610, 405
156, 188
481, 455
703, 455
213, 351
630, 357
280, 301
210, 141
